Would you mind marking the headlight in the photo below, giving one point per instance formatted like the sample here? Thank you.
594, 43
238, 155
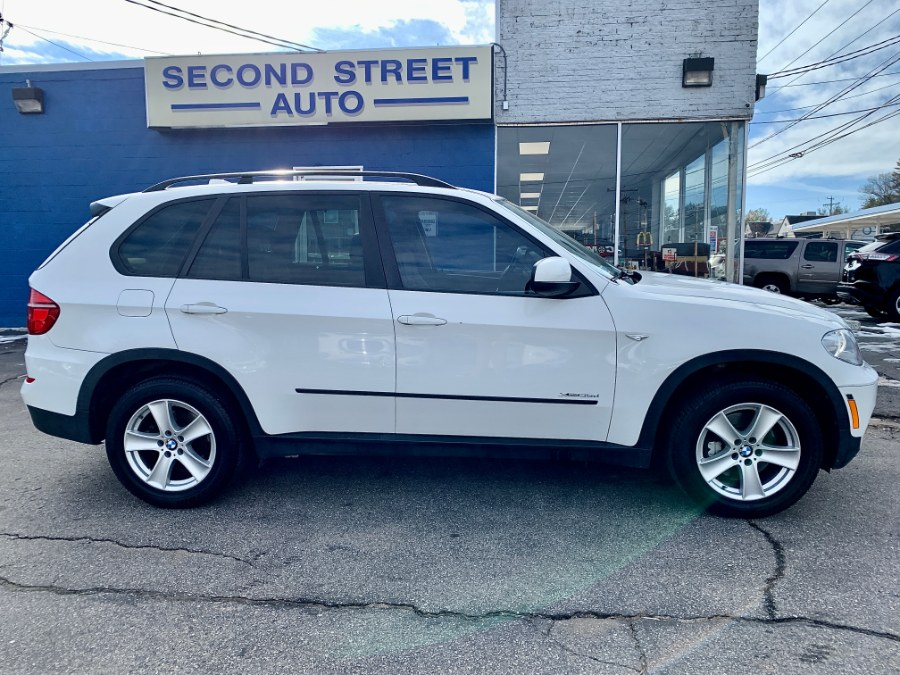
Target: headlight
841, 344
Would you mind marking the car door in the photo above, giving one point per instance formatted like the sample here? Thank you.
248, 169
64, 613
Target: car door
477, 355
286, 292
820, 268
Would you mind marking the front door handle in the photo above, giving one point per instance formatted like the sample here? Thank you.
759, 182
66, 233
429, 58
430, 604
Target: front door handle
203, 308
807, 267
421, 320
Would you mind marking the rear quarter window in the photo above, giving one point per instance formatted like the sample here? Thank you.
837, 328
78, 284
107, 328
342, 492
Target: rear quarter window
158, 244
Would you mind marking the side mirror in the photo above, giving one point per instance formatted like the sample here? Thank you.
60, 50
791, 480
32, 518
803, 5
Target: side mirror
552, 278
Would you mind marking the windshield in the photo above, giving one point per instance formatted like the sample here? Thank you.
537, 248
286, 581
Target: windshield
581, 252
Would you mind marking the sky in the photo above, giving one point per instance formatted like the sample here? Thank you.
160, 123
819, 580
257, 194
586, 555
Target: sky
791, 34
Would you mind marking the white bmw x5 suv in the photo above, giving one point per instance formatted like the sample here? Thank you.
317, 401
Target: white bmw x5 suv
220, 318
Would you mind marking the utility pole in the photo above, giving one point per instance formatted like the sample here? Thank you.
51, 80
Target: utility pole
830, 206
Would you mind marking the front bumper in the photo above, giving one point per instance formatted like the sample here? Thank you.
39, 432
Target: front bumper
860, 293
849, 437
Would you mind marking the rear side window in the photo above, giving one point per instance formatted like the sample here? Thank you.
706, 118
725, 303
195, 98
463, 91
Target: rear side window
305, 239
285, 239
220, 255
158, 245
770, 250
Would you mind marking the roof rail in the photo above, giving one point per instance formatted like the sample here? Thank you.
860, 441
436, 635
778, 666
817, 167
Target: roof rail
248, 177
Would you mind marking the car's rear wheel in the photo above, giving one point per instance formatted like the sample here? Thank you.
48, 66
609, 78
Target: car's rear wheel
745, 449
172, 442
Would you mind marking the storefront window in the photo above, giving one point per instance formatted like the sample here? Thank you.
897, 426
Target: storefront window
679, 202
565, 175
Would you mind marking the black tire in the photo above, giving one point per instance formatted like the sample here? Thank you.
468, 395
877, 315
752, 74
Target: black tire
874, 312
728, 488
773, 283
893, 306
190, 470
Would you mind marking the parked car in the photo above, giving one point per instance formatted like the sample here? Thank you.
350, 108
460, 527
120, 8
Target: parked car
872, 277
803, 268
194, 327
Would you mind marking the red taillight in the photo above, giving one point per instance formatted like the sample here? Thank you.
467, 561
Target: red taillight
886, 257
42, 313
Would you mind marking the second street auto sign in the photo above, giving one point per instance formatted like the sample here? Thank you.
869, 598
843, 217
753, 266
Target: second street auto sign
239, 90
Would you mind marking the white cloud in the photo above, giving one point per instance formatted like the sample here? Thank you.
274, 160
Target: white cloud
124, 23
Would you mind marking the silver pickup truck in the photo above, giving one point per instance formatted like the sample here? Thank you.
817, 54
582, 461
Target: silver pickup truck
806, 268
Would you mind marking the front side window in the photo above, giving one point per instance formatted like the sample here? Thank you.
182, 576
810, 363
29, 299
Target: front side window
450, 246
158, 245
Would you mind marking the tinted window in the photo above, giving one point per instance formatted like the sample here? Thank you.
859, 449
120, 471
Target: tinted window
772, 250
158, 245
220, 255
882, 246
291, 239
305, 239
891, 246
444, 245
821, 251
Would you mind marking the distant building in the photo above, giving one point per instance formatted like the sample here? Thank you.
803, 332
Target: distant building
787, 224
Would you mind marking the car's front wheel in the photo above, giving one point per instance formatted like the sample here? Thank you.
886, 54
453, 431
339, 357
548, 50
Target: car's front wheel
172, 442
745, 449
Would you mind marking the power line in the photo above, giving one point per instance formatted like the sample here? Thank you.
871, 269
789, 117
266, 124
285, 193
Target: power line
821, 117
792, 32
845, 79
827, 35
102, 42
822, 144
846, 98
846, 90
832, 61
821, 140
56, 44
841, 127
773, 92
221, 25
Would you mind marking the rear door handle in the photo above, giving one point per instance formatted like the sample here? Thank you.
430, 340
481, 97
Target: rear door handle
203, 308
421, 320
807, 267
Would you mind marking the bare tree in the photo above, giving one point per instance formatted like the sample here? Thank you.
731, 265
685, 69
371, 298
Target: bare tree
757, 216
883, 188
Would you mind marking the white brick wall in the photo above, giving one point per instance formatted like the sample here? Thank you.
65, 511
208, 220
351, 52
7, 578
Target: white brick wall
599, 60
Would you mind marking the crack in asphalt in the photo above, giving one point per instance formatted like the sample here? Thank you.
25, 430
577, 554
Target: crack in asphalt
566, 648
320, 604
95, 540
640, 647
11, 379
778, 575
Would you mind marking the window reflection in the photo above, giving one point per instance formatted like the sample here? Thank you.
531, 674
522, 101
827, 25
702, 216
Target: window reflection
679, 199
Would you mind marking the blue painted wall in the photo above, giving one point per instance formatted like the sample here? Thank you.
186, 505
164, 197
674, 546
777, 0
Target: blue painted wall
93, 142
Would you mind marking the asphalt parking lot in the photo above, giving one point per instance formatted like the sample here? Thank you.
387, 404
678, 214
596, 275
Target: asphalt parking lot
337, 565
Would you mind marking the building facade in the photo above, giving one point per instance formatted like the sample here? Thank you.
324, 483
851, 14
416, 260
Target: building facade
589, 124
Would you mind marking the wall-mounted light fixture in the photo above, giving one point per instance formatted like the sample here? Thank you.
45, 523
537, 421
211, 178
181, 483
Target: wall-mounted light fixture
697, 72
761, 81
29, 100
